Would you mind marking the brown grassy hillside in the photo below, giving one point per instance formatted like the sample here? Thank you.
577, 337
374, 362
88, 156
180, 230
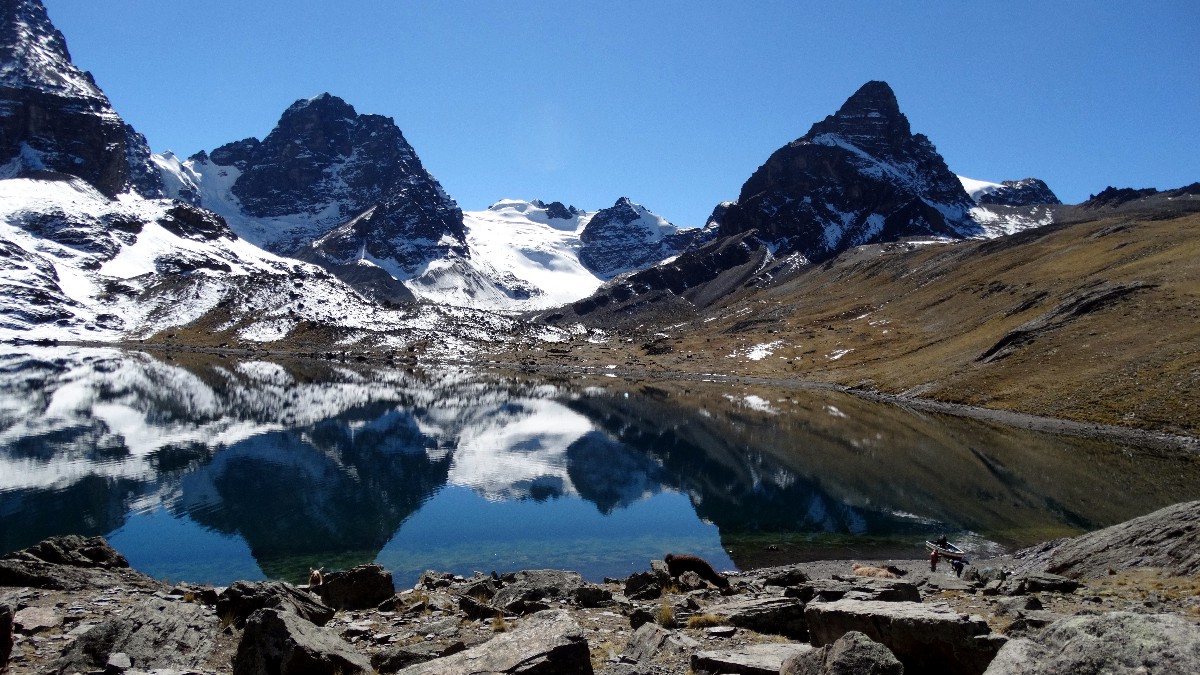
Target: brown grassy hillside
1094, 321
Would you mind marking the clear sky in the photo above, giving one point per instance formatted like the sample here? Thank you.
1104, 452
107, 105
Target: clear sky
673, 104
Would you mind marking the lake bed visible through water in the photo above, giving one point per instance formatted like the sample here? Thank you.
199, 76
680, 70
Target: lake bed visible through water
208, 469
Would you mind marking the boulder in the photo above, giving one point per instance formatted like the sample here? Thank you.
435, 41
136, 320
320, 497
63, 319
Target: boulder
852, 654
361, 587
1044, 582
243, 598
1115, 643
69, 562
926, 638
646, 585
652, 639
36, 619
1168, 539
546, 643
531, 591
776, 615
153, 634
394, 658
761, 659
865, 588
277, 641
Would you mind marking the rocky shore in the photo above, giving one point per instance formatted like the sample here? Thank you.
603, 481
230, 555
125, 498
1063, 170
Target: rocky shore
1123, 599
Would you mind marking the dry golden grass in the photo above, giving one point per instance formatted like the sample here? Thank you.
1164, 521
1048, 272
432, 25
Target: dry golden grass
916, 320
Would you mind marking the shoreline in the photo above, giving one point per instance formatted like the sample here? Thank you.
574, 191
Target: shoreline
1148, 438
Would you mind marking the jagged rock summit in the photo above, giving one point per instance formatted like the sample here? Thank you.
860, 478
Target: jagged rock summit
54, 118
627, 236
331, 186
1024, 192
859, 176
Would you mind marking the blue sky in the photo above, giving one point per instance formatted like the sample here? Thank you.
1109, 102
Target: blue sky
673, 104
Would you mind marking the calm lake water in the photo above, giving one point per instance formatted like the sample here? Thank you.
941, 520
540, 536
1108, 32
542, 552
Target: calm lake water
210, 470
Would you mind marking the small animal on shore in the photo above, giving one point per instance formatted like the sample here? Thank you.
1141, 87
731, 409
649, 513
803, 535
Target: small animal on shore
896, 570
678, 564
315, 578
868, 571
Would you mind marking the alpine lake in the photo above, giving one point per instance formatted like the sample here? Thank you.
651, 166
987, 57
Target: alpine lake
208, 469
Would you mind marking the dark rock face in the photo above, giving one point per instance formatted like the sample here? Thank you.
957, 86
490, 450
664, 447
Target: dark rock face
67, 562
321, 156
243, 598
1025, 192
1111, 196
277, 641
860, 176
627, 237
361, 587
53, 117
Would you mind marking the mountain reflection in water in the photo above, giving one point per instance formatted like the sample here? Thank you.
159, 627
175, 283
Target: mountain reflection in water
215, 470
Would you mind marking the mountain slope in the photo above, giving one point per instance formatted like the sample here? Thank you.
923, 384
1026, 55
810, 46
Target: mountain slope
857, 177
333, 186
53, 117
1096, 318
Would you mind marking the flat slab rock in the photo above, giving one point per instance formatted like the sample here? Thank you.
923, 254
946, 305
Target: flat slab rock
1114, 643
764, 659
1168, 539
546, 643
925, 638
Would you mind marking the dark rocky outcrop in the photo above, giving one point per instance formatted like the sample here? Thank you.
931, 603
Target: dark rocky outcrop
279, 642
68, 562
243, 598
53, 117
323, 156
1114, 643
852, 654
926, 638
395, 658
360, 587
1110, 197
627, 237
857, 588
859, 176
546, 643
154, 634
1025, 192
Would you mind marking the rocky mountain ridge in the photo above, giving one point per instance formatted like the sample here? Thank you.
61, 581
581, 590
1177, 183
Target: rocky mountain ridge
54, 118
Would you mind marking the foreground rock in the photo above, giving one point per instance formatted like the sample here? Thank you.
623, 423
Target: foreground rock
154, 634
926, 638
278, 641
1168, 539
765, 659
852, 654
1115, 643
69, 562
243, 598
357, 588
546, 643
